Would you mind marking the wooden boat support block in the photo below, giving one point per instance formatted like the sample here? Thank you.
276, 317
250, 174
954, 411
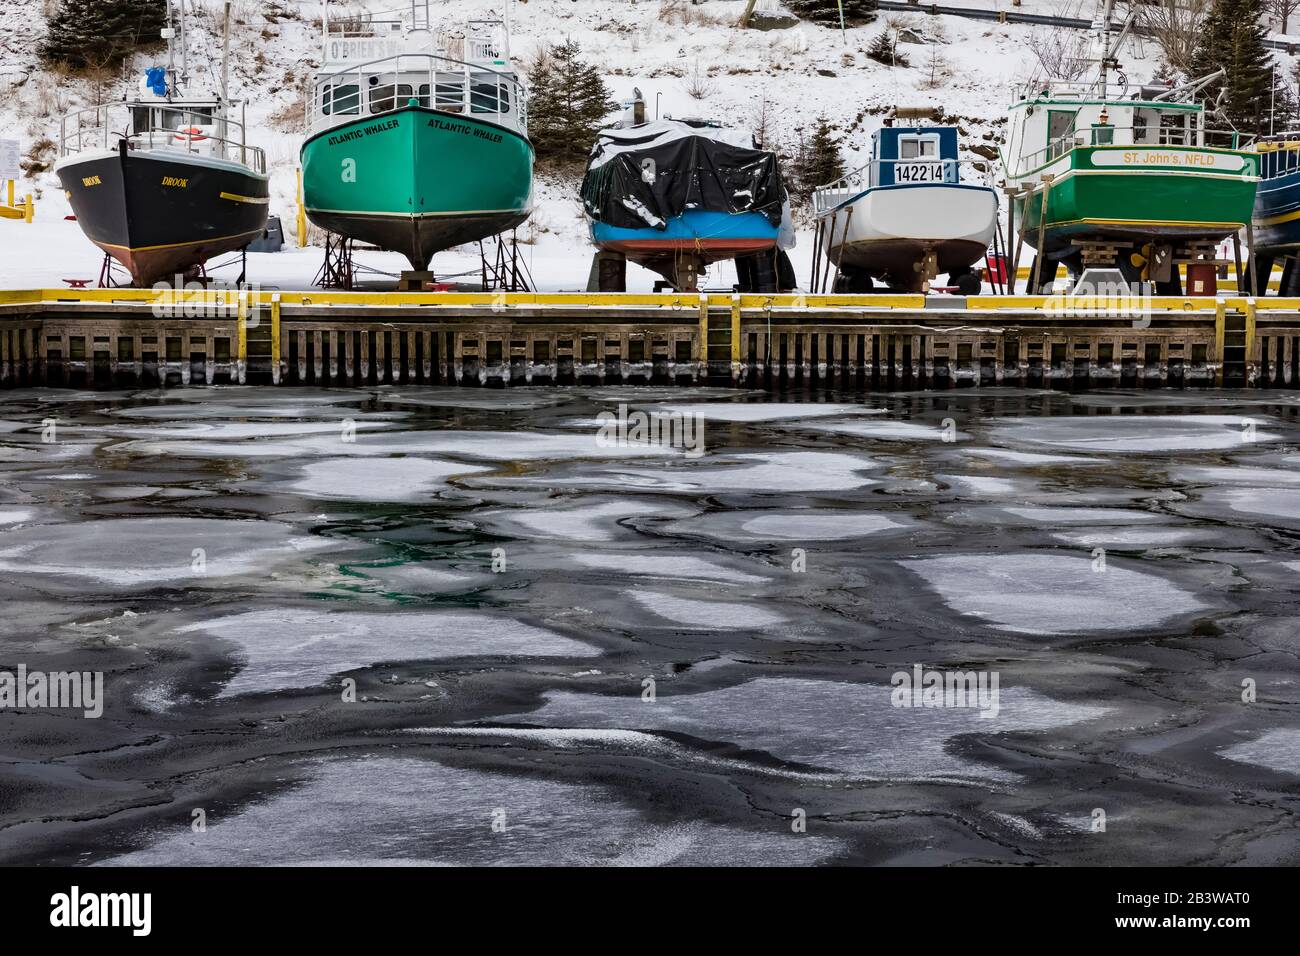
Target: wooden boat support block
123, 337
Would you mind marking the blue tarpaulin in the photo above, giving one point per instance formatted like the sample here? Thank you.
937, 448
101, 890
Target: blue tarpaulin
156, 79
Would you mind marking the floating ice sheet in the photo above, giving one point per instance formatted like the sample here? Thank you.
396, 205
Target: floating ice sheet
1239, 475
887, 430
814, 526
407, 811
587, 519
1039, 593
379, 479
665, 565
1138, 433
145, 552
1057, 516
706, 615
1278, 507
493, 446
1277, 749
849, 728
1148, 537
301, 647
758, 411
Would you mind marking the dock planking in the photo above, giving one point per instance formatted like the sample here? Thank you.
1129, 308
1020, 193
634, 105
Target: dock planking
125, 338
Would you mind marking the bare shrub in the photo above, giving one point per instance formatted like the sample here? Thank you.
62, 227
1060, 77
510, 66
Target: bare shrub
698, 84
1062, 54
1175, 27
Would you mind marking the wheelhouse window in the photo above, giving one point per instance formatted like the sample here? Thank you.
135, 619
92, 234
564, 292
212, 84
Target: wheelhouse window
488, 96
342, 100
1060, 129
389, 96
1103, 135
918, 147
449, 96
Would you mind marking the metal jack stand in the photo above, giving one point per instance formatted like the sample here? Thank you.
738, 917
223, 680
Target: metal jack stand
336, 272
502, 268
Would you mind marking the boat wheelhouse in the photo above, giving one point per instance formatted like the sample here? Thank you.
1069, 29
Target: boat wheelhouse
1137, 183
907, 215
163, 183
416, 142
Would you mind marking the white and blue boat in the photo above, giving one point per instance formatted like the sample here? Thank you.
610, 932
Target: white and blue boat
906, 216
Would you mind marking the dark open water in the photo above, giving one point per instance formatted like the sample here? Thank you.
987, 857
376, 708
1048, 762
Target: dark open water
228, 558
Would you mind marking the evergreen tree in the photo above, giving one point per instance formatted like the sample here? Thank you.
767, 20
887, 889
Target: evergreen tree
884, 49
568, 104
827, 12
99, 33
1232, 37
818, 161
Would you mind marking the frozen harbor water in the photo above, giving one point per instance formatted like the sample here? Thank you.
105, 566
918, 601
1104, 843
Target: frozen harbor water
441, 626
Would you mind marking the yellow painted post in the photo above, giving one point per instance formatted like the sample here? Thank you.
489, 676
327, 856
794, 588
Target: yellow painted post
1252, 361
1220, 321
703, 356
241, 352
275, 338
735, 338
302, 215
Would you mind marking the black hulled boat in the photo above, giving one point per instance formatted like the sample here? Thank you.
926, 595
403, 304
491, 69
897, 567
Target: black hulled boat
163, 183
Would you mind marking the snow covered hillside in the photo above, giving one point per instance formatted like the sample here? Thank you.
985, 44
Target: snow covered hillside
687, 58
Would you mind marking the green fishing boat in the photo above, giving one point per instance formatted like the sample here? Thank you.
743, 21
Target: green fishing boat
416, 144
1112, 177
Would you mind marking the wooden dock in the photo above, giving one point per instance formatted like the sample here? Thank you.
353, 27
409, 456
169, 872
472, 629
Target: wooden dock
126, 338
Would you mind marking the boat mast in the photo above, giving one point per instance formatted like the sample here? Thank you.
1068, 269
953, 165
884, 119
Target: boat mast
1105, 46
506, 6
225, 68
185, 47
170, 33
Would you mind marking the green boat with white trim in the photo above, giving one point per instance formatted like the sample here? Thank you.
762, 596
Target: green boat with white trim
1108, 177
414, 145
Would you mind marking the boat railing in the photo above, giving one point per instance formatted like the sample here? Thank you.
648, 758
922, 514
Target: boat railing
849, 185
172, 127
1279, 156
1141, 136
388, 83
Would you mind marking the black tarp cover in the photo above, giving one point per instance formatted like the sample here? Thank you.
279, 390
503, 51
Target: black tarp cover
636, 181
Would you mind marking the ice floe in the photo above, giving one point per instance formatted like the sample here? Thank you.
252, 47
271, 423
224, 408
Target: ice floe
1040, 593
706, 615
396, 811
146, 552
379, 479
1138, 433
1277, 749
301, 647
845, 727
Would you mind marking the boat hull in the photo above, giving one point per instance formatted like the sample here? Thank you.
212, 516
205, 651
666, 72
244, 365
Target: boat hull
710, 236
889, 231
1277, 215
163, 213
417, 180
1181, 194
